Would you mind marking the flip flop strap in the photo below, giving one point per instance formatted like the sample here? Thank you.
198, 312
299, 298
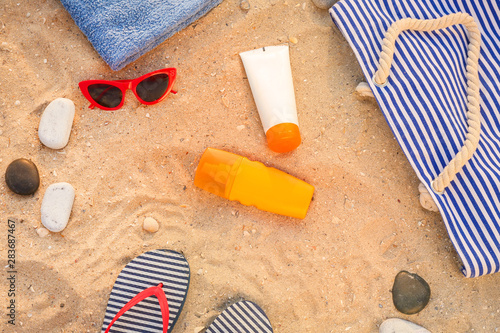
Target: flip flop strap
162, 299
441, 182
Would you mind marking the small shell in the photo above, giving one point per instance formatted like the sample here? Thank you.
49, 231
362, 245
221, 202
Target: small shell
150, 224
244, 4
426, 199
42, 232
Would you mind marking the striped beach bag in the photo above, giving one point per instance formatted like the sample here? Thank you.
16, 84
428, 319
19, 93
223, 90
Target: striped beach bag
434, 69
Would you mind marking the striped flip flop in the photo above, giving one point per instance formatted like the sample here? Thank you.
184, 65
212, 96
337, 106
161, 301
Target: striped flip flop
160, 273
241, 317
434, 68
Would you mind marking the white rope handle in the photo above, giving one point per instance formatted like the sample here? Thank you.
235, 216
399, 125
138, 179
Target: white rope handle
473, 114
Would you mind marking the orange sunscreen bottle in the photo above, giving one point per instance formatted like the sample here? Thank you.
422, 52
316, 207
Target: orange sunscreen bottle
270, 76
252, 183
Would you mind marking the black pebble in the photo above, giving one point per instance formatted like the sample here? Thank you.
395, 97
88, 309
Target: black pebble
22, 177
410, 293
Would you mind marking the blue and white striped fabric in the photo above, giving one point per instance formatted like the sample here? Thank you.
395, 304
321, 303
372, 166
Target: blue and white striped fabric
424, 103
148, 270
241, 317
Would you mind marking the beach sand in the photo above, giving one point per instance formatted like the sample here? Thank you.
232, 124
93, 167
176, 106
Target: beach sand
330, 272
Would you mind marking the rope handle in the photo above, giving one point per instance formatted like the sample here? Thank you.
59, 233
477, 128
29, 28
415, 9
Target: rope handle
441, 182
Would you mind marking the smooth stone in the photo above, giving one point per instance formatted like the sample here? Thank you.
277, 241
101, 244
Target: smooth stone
150, 224
56, 122
42, 232
22, 177
410, 293
244, 4
324, 4
396, 325
56, 206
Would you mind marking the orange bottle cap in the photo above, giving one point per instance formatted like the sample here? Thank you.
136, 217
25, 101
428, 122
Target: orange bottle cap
283, 137
216, 171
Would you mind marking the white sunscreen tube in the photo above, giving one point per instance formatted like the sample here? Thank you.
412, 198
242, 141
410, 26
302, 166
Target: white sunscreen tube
270, 77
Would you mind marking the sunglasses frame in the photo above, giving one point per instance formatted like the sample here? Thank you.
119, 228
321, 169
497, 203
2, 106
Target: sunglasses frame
124, 85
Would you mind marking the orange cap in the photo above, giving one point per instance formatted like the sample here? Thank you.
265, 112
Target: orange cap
216, 171
283, 137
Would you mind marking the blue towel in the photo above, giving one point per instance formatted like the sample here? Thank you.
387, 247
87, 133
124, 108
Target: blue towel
424, 103
123, 30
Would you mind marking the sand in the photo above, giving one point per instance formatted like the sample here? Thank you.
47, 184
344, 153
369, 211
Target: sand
330, 272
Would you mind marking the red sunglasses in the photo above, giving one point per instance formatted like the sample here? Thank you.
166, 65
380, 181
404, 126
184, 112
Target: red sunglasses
149, 89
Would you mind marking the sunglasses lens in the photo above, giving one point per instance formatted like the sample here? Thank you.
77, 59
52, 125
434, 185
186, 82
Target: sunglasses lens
105, 95
153, 88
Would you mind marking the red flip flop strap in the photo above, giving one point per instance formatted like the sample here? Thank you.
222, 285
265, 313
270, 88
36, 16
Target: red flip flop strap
162, 299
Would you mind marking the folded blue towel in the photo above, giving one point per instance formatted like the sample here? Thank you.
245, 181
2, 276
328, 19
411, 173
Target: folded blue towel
123, 30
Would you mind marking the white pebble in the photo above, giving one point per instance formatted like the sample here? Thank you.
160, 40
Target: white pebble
42, 232
56, 122
240, 128
150, 224
244, 4
396, 325
17, 102
56, 206
200, 271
